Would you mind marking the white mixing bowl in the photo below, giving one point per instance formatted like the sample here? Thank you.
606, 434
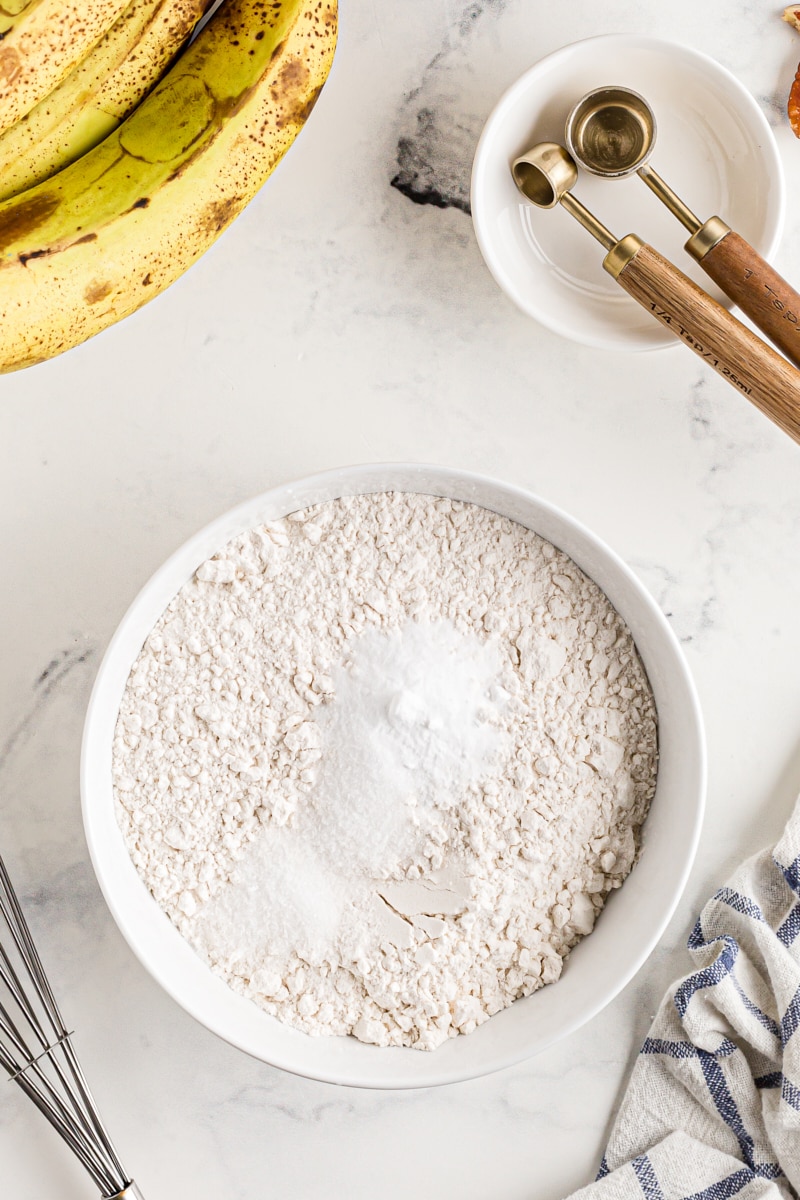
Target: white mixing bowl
596, 970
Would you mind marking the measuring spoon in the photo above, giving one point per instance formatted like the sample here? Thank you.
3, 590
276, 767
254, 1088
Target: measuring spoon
546, 174
612, 132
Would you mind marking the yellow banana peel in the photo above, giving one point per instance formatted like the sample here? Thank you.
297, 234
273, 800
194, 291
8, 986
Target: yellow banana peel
92, 100
85, 248
43, 42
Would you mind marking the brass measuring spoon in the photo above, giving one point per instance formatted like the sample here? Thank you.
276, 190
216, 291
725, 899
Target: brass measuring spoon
612, 132
545, 175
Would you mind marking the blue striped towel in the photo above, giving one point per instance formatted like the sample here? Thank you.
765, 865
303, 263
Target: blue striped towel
712, 1109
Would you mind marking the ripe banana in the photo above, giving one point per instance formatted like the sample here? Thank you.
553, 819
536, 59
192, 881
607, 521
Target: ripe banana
98, 93
44, 40
82, 250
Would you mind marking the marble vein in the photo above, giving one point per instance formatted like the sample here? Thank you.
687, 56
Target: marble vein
49, 680
434, 157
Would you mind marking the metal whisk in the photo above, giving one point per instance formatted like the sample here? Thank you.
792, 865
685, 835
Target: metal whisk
35, 1049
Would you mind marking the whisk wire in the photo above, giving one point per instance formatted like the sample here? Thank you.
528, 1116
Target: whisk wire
80, 1148
18, 927
10, 976
27, 1060
36, 1050
46, 1098
70, 1121
91, 1109
34, 1061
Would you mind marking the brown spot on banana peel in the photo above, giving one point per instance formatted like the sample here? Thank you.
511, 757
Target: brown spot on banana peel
293, 74
96, 292
25, 217
10, 66
219, 214
21, 217
302, 114
26, 258
288, 87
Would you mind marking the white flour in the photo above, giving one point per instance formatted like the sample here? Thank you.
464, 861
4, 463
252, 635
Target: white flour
382, 762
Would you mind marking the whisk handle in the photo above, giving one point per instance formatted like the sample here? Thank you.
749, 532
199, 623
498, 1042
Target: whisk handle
131, 1192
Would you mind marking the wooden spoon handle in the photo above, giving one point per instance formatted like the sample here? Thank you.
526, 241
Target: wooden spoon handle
760, 291
714, 334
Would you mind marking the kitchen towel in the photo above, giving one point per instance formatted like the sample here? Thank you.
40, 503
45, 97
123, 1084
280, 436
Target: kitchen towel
712, 1109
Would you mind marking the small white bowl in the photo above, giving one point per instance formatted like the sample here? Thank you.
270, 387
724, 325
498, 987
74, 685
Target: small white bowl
714, 148
597, 969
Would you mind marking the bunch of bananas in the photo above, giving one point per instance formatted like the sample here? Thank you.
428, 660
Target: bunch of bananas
125, 151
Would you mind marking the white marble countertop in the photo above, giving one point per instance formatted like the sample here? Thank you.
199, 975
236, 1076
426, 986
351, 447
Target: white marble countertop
339, 322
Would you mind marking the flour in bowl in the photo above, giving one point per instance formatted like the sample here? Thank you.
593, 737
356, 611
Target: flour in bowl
382, 762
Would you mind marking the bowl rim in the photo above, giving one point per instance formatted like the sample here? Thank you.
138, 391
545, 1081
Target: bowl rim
768, 147
346, 481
